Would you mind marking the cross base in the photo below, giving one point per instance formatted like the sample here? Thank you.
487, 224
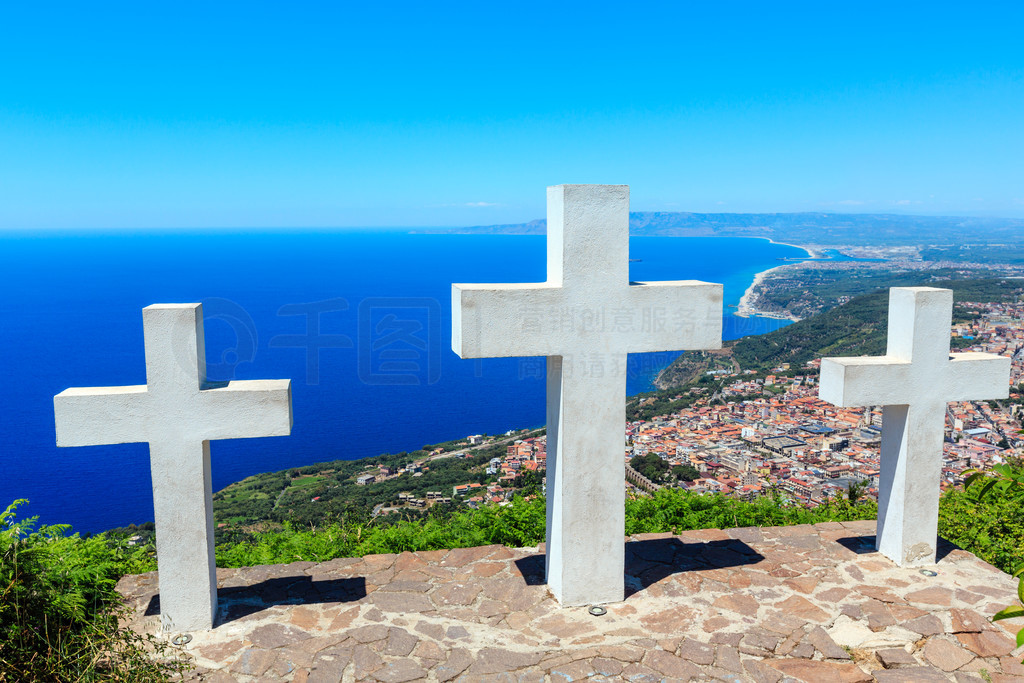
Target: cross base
183, 507
911, 468
585, 551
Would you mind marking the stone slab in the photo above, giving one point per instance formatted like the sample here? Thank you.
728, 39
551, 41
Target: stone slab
514, 630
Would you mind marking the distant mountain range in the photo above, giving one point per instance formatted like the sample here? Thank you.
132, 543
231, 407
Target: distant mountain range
804, 228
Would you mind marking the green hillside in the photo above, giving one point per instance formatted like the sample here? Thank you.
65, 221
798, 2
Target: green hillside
806, 290
855, 328
310, 495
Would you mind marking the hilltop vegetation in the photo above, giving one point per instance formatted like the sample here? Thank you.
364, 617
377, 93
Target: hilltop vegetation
805, 290
857, 327
993, 528
519, 524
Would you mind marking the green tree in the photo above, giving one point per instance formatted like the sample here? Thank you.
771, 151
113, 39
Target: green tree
529, 482
650, 466
685, 472
855, 491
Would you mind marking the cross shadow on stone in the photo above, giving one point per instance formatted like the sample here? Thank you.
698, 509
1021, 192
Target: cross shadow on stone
650, 561
861, 545
865, 545
532, 569
241, 601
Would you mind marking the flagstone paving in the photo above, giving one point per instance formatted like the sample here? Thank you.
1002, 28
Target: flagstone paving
803, 603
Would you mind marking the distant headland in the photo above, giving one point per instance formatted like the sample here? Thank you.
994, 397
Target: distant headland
800, 228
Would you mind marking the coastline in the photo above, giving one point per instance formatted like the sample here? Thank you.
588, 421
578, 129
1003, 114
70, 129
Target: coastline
746, 307
812, 254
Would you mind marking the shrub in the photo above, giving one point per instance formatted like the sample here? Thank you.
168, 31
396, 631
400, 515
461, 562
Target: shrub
518, 524
986, 518
59, 612
676, 510
522, 523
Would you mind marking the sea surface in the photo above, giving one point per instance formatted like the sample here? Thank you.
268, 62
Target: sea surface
359, 321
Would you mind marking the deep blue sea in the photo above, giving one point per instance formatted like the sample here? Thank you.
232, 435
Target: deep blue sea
359, 321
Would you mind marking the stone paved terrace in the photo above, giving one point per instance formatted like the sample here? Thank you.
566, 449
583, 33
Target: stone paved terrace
802, 603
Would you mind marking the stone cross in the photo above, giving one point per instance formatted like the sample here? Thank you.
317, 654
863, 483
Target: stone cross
177, 412
585, 318
914, 381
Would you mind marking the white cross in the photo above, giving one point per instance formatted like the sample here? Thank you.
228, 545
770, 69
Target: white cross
585, 319
914, 381
178, 414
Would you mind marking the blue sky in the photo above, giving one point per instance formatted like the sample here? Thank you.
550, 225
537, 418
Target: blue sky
418, 114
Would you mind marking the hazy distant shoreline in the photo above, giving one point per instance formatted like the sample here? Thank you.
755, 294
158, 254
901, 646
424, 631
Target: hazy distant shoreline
795, 228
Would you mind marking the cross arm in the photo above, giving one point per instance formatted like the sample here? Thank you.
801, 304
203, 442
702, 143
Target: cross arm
246, 409
977, 376
864, 381
95, 416
503, 320
675, 315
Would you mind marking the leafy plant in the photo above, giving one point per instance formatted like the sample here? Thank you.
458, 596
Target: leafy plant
1006, 484
676, 510
855, 491
59, 612
521, 523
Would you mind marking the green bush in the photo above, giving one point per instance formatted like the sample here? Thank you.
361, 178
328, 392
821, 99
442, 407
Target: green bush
990, 526
677, 510
59, 611
522, 523
986, 518
518, 524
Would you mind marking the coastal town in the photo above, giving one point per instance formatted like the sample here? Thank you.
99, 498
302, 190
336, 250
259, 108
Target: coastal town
770, 433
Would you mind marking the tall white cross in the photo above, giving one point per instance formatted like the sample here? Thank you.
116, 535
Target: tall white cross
914, 381
178, 414
585, 318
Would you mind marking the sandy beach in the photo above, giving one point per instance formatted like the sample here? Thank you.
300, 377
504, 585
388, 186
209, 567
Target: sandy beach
746, 306
812, 253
